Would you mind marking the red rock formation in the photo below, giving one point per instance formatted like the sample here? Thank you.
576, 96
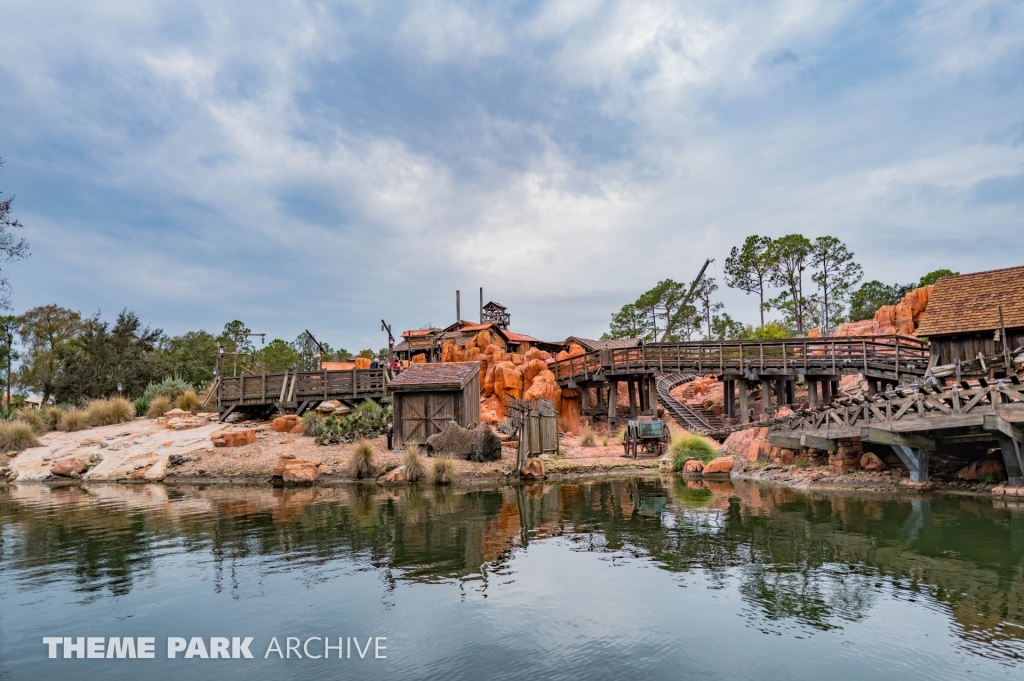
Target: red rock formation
285, 424
722, 466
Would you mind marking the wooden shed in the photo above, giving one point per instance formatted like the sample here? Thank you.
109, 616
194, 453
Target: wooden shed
963, 320
427, 396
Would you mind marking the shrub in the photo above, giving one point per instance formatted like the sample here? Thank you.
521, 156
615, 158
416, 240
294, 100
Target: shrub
691, 447
32, 418
189, 401
171, 387
158, 406
368, 420
74, 419
604, 441
53, 415
587, 438
443, 471
141, 405
311, 421
17, 436
415, 470
110, 411
360, 464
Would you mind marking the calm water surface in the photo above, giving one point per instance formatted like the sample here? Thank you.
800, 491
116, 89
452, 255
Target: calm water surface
652, 579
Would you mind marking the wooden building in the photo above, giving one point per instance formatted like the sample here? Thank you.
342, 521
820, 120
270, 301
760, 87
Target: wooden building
496, 313
428, 396
974, 321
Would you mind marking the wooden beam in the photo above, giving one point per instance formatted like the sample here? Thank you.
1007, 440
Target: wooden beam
884, 437
784, 441
997, 424
817, 442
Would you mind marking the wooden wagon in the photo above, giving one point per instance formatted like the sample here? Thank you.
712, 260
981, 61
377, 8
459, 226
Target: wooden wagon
646, 433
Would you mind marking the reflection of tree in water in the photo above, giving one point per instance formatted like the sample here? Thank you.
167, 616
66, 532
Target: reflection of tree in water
812, 561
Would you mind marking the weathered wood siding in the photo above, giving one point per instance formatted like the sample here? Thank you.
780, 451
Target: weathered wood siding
967, 346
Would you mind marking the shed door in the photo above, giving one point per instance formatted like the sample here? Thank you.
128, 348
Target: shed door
424, 414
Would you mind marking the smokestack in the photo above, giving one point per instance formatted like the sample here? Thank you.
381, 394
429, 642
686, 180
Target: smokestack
458, 312
481, 304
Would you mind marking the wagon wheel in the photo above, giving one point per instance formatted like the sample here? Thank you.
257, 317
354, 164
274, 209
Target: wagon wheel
635, 444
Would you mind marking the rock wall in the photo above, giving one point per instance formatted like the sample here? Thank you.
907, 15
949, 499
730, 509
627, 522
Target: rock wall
901, 318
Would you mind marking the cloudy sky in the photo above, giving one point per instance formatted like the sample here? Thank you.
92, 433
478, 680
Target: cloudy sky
322, 165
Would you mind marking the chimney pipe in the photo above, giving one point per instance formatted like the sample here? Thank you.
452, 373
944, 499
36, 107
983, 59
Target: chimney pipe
458, 312
481, 304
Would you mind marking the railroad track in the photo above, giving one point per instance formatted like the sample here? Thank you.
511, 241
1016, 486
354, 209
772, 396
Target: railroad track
687, 417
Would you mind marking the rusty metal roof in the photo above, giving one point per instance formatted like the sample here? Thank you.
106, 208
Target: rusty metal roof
436, 376
417, 332
969, 303
609, 344
520, 337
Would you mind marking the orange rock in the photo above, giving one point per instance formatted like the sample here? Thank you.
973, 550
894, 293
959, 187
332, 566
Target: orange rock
419, 359
296, 430
139, 473
571, 411
544, 388
508, 381
983, 468
561, 355
575, 350
299, 471
694, 466
71, 466
487, 386
492, 410
395, 475
533, 469
284, 424
721, 465
871, 462
236, 438
516, 358
814, 333
531, 369
362, 362
278, 470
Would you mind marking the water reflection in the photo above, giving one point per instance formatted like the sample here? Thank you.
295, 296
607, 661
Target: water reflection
799, 561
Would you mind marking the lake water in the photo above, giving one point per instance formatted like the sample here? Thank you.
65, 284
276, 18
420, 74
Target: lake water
629, 579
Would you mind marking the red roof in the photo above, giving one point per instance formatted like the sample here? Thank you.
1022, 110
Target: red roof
520, 337
477, 327
416, 332
338, 366
969, 303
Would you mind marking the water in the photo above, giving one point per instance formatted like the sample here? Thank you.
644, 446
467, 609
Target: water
601, 580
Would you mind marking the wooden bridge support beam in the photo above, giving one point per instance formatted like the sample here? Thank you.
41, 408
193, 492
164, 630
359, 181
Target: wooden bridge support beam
741, 384
872, 386
766, 396
834, 389
812, 393
728, 397
790, 392
826, 392
613, 395
630, 388
916, 461
652, 390
1011, 442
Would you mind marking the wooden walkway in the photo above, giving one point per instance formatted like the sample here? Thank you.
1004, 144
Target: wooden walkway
294, 392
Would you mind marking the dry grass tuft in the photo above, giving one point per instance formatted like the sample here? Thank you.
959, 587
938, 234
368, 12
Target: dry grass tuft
33, 418
587, 437
17, 436
74, 419
110, 411
312, 420
415, 469
360, 464
52, 415
443, 471
158, 406
189, 401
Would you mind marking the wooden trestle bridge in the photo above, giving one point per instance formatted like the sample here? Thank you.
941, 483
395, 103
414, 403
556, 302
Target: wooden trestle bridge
775, 365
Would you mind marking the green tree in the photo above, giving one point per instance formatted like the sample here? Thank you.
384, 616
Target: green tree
871, 295
773, 330
836, 273
11, 248
276, 357
238, 346
724, 327
749, 268
629, 322
703, 293
933, 277
191, 356
367, 353
8, 329
104, 360
306, 351
45, 331
791, 256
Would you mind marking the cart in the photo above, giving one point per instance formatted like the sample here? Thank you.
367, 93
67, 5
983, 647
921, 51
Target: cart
646, 433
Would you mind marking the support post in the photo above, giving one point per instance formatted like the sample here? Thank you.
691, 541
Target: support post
766, 396
872, 386
613, 395
727, 398
741, 385
1011, 442
631, 388
826, 393
812, 393
790, 396
916, 461
834, 389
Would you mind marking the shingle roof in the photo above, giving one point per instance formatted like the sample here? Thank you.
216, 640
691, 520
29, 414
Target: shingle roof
439, 375
417, 332
970, 303
520, 337
610, 344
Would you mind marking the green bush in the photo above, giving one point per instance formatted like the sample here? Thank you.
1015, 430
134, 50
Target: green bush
691, 447
360, 463
415, 470
33, 418
171, 387
74, 419
17, 436
141, 405
366, 421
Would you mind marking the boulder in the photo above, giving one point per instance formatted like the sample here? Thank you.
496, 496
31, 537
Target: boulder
981, 469
720, 466
561, 355
362, 362
492, 410
532, 354
278, 470
395, 475
533, 469
419, 359
870, 462
508, 381
571, 411
301, 472
531, 370
696, 466
234, 438
487, 385
284, 424
545, 388
69, 467
139, 473
296, 430
667, 464
576, 350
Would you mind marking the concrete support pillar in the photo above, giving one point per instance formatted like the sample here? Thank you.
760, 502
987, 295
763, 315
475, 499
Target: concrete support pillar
766, 396
741, 384
812, 393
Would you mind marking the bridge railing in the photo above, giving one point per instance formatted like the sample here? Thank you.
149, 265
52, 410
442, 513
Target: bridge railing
301, 385
898, 354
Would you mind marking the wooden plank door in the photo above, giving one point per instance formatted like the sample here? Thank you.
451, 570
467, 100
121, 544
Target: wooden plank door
441, 410
414, 425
